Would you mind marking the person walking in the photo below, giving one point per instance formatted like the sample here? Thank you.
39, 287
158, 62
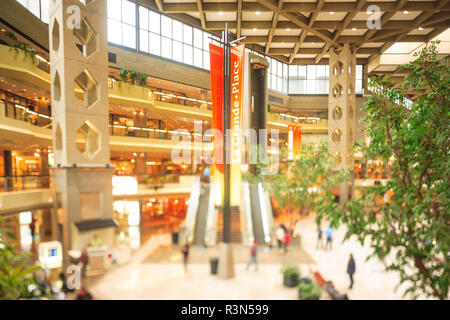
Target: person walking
185, 252
319, 237
286, 242
351, 267
253, 256
280, 236
84, 259
329, 234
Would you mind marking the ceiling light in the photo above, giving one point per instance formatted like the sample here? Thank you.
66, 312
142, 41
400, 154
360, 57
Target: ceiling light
221, 13
288, 29
257, 13
331, 12
254, 29
354, 29
405, 12
420, 28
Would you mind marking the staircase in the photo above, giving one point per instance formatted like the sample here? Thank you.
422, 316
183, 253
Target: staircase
236, 233
201, 219
258, 229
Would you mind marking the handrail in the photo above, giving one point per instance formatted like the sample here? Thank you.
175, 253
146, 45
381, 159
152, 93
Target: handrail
247, 234
211, 220
188, 226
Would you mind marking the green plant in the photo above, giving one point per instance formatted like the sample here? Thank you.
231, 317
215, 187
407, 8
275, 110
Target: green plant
19, 46
414, 226
15, 273
142, 79
290, 271
305, 183
134, 75
123, 73
309, 291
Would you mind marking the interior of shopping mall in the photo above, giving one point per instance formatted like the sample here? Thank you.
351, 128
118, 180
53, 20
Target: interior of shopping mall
117, 177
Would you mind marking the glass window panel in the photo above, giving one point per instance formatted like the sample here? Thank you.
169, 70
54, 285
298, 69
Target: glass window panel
279, 84
129, 12
187, 34
114, 31
302, 72
177, 31
198, 61
34, 7
198, 38
129, 36
166, 47
359, 72
115, 9
155, 44
187, 54
311, 71
292, 72
206, 41
293, 86
177, 51
143, 41
321, 73
206, 60
322, 86
143, 18
155, 22
166, 26
45, 11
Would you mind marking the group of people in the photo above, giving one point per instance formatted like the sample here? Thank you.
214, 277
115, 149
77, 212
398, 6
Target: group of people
329, 236
283, 237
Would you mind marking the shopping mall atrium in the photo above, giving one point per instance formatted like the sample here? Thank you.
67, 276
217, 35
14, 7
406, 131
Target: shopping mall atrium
111, 176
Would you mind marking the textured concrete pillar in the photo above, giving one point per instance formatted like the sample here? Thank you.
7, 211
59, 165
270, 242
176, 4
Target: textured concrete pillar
79, 84
341, 110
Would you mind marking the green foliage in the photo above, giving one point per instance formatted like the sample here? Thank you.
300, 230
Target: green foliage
306, 182
142, 79
413, 229
290, 271
309, 291
124, 74
19, 46
134, 76
15, 273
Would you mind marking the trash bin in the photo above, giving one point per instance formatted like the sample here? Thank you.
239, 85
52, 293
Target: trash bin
214, 264
175, 237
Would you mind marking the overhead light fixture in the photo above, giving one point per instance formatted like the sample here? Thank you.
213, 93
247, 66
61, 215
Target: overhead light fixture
420, 28
331, 12
221, 13
257, 13
254, 29
354, 29
288, 29
406, 12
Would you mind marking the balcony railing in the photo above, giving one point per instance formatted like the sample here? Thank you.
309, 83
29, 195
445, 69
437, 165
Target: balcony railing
24, 182
19, 112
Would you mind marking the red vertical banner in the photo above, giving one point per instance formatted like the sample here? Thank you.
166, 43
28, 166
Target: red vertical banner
294, 141
297, 140
216, 63
237, 59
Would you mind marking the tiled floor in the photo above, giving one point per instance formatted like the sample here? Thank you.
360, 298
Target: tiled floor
156, 272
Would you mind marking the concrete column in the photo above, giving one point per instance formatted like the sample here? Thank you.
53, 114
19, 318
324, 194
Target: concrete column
79, 84
43, 163
341, 110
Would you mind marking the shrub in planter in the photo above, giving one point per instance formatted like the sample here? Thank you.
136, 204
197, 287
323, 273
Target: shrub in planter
308, 291
291, 274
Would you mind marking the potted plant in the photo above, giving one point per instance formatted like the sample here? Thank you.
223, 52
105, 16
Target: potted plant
309, 291
134, 75
142, 79
124, 74
291, 275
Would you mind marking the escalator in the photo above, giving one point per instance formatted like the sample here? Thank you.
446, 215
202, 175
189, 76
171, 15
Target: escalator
257, 213
201, 218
